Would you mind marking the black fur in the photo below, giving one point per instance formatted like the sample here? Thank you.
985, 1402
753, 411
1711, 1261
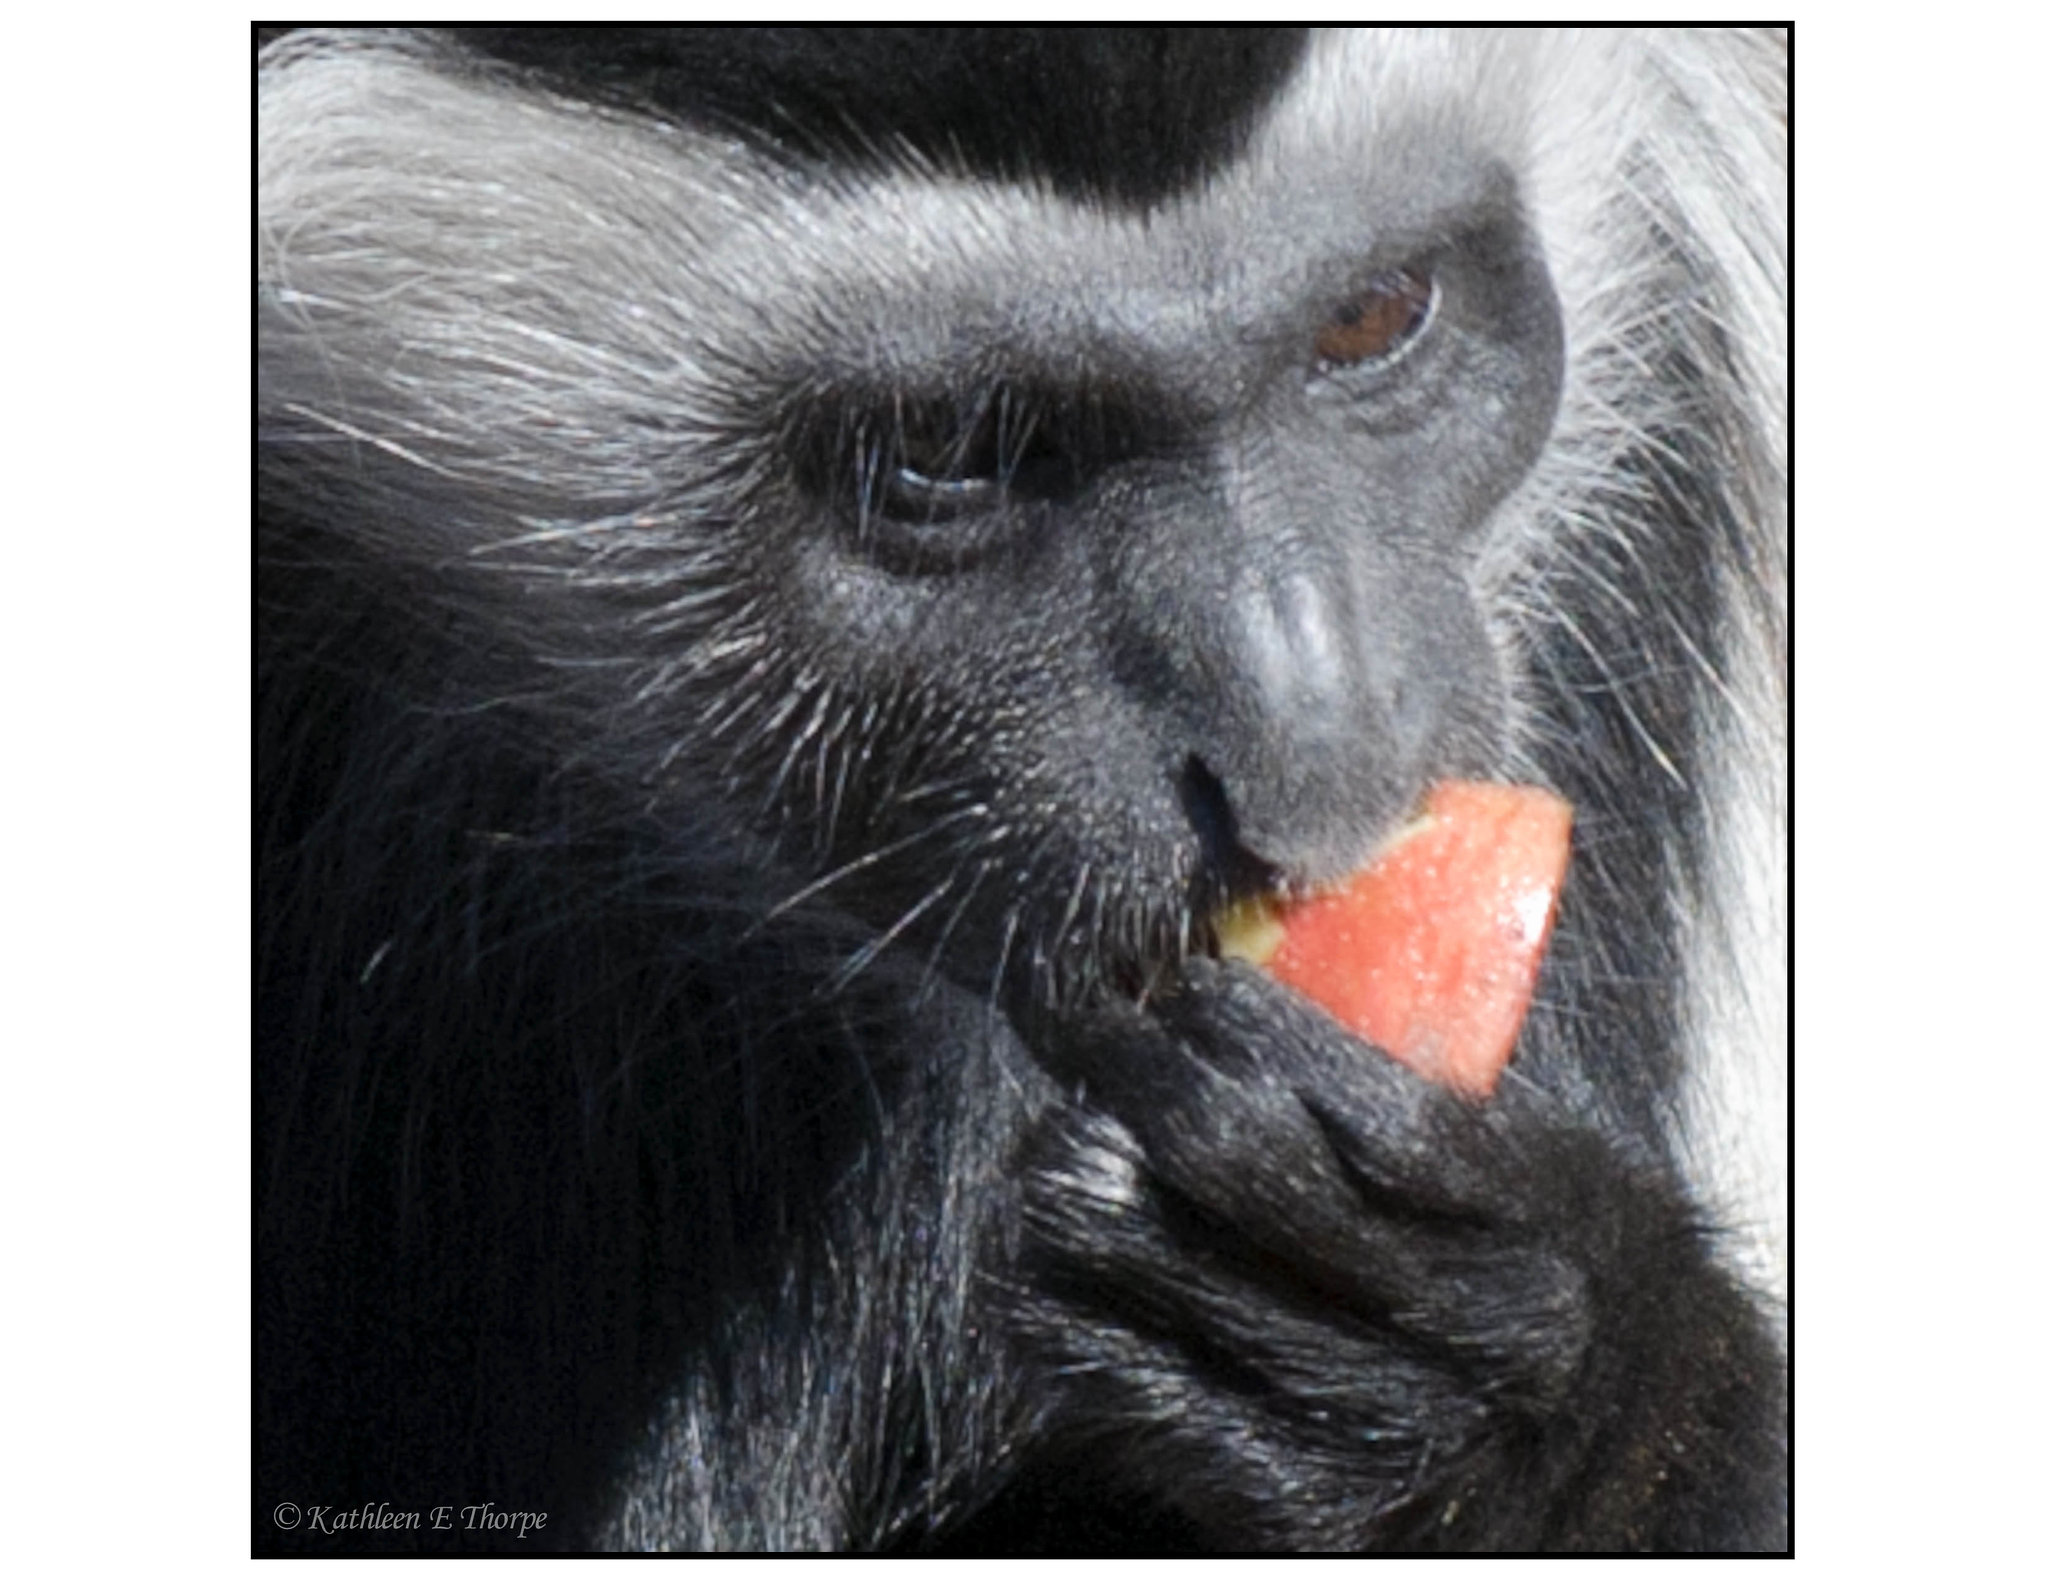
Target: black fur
738, 1064
1118, 114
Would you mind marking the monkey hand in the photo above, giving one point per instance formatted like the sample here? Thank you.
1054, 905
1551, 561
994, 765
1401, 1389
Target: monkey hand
1341, 1308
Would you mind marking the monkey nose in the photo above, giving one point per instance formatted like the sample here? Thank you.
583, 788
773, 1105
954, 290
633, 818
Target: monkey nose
1302, 744
1297, 660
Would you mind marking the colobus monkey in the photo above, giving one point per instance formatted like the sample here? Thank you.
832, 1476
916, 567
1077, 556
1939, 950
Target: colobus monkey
799, 570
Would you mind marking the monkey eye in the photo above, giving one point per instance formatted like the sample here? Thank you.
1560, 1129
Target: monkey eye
945, 460
1379, 325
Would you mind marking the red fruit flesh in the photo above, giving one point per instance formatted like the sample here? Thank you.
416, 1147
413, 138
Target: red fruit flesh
1432, 952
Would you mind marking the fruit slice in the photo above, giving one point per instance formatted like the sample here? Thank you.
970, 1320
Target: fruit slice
1432, 951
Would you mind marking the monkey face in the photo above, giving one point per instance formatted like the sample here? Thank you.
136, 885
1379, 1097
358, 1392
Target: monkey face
1114, 612
1064, 570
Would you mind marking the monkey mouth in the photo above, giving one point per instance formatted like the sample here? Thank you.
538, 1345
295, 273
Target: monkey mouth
1221, 921
1249, 925
1249, 931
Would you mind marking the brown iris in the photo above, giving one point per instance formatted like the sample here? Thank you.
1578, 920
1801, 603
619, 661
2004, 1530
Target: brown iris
1379, 321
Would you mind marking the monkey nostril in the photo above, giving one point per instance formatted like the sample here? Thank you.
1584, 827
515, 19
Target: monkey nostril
1231, 867
1208, 809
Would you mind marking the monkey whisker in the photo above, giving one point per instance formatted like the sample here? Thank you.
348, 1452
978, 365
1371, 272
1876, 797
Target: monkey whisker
862, 959
868, 860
